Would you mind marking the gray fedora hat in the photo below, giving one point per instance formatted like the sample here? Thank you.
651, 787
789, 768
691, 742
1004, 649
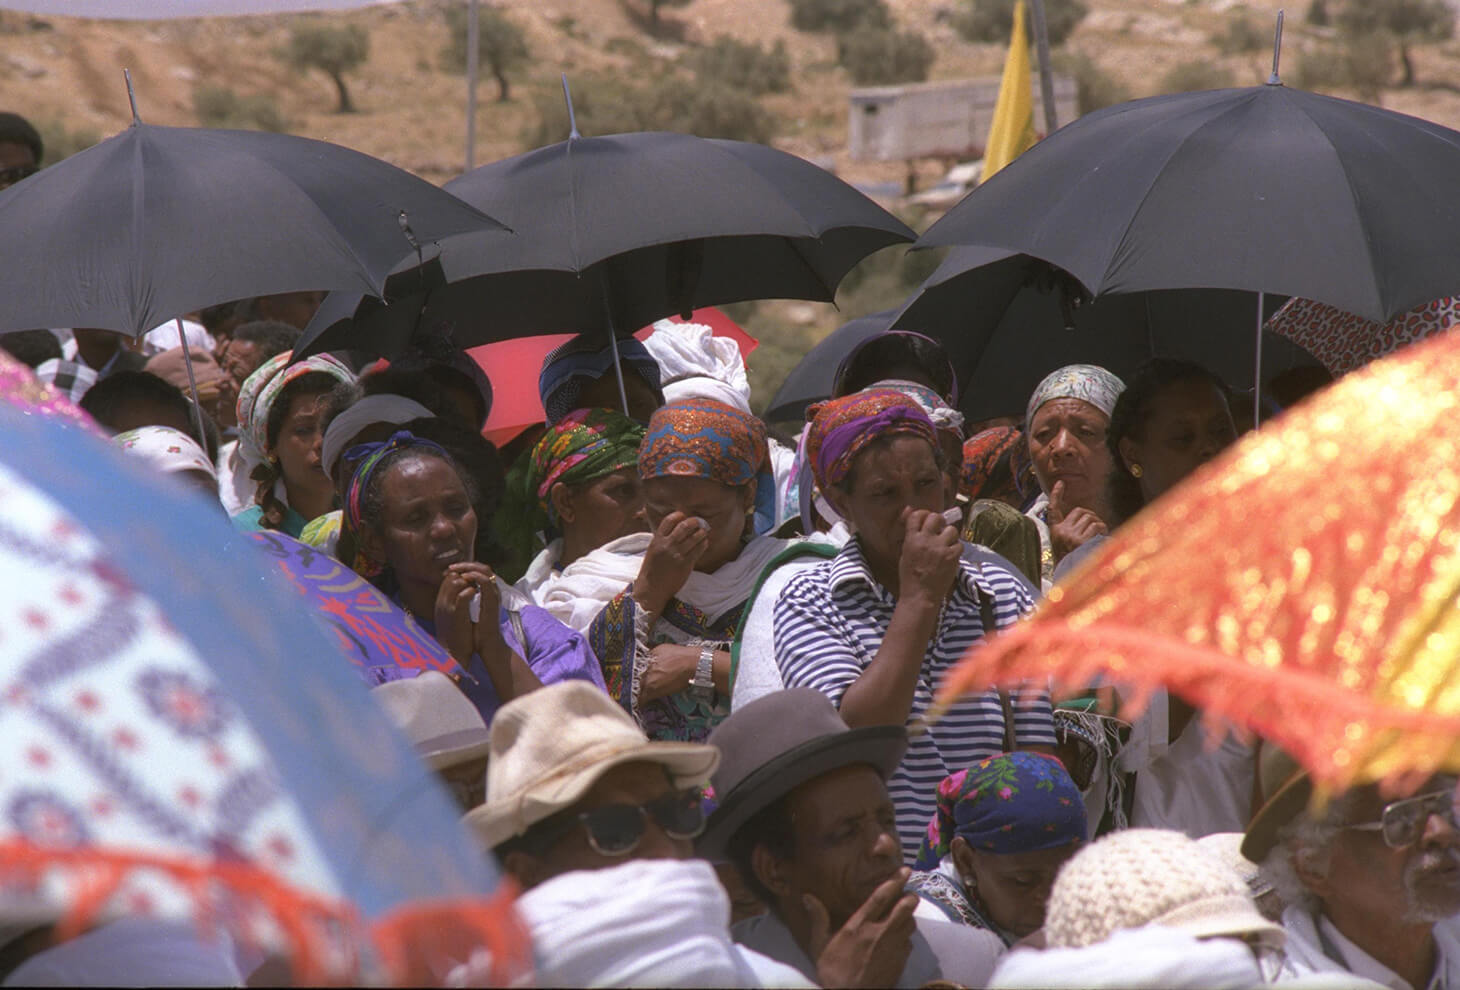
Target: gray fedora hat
777, 743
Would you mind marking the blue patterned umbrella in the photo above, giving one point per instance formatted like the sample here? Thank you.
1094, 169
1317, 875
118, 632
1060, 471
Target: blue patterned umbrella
183, 741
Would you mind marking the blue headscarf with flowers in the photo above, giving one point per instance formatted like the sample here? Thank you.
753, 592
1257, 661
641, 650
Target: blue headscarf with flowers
1010, 803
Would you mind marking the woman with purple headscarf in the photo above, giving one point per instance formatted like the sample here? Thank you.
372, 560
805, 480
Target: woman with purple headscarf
879, 626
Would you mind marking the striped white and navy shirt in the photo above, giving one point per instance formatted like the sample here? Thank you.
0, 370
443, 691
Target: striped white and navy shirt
829, 624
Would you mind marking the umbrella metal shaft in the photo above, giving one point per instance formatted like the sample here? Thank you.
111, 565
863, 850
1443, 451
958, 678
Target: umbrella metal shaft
182, 339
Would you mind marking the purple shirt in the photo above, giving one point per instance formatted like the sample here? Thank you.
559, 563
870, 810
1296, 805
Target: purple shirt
553, 651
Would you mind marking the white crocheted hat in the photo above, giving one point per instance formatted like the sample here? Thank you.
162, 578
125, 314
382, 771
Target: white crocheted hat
1148, 876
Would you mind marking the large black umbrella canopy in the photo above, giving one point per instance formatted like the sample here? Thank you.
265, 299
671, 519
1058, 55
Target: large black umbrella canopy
1265, 189
812, 377
621, 231
1007, 320
160, 221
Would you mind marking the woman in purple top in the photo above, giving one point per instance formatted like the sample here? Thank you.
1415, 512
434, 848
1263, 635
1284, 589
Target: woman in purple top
412, 508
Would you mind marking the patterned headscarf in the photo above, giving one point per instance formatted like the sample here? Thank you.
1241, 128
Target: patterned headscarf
259, 390
583, 446
166, 449
1087, 382
584, 359
840, 428
981, 456
365, 458
702, 438
944, 416
1010, 803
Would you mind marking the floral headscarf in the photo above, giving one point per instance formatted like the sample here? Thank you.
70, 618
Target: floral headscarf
166, 449
259, 390
1010, 803
840, 428
583, 446
1087, 382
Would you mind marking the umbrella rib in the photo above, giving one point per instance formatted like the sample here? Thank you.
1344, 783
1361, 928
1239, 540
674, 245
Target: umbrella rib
376, 282
139, 218
800, 253
1358, 213
1175, 150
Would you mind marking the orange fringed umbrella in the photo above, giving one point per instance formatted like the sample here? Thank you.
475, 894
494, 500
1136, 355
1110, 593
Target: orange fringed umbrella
1303, 586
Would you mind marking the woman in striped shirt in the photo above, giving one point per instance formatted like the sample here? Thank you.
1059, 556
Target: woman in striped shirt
879, 626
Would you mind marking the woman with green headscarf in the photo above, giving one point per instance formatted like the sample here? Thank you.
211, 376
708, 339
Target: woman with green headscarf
577, 490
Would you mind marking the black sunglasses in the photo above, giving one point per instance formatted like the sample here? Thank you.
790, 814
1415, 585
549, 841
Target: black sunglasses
617, 829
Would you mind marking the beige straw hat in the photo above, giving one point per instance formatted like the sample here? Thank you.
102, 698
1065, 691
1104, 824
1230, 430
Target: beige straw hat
549, 747
440, 721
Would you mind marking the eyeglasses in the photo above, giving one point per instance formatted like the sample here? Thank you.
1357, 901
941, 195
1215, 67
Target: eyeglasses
617, 829
1403, 822
10, 176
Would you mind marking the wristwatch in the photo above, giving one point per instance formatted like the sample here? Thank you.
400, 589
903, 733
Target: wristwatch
702, 685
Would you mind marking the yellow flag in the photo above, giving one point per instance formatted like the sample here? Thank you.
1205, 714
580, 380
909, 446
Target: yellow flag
1012, 132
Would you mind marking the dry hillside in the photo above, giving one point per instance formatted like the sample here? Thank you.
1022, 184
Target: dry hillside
67, 76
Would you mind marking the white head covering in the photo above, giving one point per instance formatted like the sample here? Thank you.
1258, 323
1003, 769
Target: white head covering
383, 408
164, 337
695, 364
169, 451
1087, 382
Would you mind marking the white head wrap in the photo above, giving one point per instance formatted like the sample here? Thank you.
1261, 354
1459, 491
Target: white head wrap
164, 337
1086, 382
383, 408
169, 451
695, 364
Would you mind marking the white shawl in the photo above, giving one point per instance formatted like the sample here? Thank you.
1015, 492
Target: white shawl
647, 923
578, 593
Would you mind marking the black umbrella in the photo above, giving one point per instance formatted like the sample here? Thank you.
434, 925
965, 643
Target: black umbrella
1264, 189
811, 379
619, 231
1008, 320
160, 221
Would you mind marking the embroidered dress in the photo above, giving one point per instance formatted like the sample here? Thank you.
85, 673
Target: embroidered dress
621, 638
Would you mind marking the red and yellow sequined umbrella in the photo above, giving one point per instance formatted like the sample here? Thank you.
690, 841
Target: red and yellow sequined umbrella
1303, 586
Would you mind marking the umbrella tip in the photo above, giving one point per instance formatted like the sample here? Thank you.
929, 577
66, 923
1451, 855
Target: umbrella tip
1277, 51
572, 118
131, 95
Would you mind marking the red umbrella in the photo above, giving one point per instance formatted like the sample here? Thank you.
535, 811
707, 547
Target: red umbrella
513, 365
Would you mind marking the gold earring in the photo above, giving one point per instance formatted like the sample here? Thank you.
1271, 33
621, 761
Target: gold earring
1135, 469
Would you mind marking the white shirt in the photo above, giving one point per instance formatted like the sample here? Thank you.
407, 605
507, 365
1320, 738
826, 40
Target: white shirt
1181, 784
1307, 954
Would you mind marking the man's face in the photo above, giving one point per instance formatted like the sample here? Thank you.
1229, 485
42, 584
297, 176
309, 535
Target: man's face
632, 784
238, 359
1419, 882
845, 840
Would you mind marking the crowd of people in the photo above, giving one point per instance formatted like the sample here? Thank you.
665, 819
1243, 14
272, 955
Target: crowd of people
692, 714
